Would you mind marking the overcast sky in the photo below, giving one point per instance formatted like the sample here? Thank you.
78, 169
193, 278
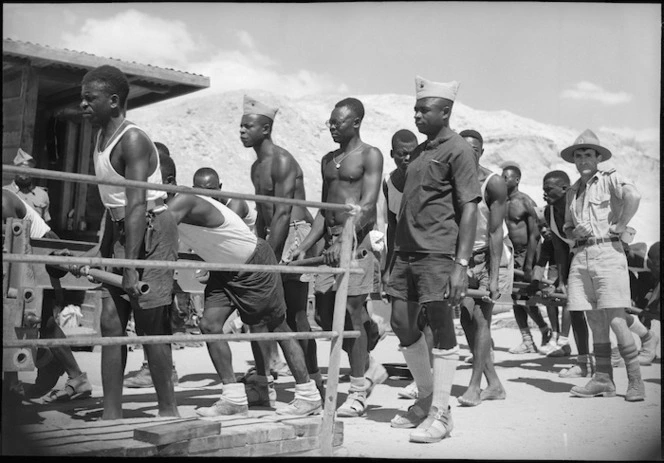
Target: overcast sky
578, 65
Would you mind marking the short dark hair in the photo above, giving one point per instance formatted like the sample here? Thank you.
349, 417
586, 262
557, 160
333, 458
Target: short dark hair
470, 133
114, 81
403, 136
513, 168
353, 104
166, 164
558, 175
163, 149
206, 177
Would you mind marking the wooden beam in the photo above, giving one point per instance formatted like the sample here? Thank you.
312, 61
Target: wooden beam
69, 165
30, 93
84, 154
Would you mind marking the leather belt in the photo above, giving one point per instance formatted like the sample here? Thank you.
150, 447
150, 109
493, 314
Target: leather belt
154, 206
592, 241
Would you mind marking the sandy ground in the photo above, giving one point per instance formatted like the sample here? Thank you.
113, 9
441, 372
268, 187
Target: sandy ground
538, 420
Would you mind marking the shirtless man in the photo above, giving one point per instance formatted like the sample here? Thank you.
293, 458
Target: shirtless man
491, 268
276, 173
523, 232
217, 234
136, 228
351, 174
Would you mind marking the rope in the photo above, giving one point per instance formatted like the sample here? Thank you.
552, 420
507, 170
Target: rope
42, 173
180, 264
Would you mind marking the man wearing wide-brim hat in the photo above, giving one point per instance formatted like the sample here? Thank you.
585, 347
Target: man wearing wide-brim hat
599, 207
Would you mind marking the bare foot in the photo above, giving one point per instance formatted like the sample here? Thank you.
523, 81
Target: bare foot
493, 393
471, 398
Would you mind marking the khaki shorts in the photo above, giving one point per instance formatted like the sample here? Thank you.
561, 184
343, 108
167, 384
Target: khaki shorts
598, 278
357, 284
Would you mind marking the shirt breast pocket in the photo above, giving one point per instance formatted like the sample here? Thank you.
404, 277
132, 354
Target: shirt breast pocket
435, 175
600, 205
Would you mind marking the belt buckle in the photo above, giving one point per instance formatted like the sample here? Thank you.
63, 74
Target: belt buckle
592, 240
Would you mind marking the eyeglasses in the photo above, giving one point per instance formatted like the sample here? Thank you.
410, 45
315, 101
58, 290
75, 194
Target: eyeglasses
336, 124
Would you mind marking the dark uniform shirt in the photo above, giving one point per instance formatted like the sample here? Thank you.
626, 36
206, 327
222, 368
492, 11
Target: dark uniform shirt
441, 178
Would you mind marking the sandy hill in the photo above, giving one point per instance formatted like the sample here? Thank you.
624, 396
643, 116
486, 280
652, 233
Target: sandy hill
203, 130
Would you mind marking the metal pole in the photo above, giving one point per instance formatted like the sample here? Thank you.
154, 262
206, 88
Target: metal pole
338, 321
130, 263
8, 170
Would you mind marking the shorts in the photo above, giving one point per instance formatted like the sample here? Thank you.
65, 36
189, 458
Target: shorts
358, 284
519, 260
258, 296
478, 272
297, 231
159, 243
598, 278
419, 277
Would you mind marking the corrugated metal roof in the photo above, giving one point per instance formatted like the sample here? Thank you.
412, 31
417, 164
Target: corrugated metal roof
32, 50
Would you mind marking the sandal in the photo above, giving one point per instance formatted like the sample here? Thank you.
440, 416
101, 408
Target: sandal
75, 388
355, 405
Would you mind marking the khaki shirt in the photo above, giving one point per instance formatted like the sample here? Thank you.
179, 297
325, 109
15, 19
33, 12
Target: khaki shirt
600, 204
37, 198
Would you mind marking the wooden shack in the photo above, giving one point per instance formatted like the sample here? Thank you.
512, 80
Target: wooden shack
39, 84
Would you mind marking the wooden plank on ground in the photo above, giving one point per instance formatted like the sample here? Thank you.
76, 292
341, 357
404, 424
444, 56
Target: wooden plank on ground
174, 432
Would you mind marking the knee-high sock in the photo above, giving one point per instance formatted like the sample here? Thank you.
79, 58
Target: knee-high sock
636, 327
603, 358
630, 355
417, 359
444, 366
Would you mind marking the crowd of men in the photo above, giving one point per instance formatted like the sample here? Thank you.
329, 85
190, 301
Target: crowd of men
452, 225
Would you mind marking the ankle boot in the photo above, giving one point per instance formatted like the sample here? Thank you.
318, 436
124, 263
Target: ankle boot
600, 385
636, 389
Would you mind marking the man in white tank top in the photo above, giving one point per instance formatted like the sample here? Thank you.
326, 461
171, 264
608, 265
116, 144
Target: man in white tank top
218, 235
485, 273
136, 228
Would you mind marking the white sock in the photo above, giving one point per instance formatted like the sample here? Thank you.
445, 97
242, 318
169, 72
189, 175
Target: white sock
419, 364
360, 384
638, 329
563, 340
235, 393
307, 391
444, 366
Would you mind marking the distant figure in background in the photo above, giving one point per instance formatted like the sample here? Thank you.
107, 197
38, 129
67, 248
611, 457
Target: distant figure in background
646, 295
599, 207
77, 386
521, 222
555, 185
491, 268
24, 187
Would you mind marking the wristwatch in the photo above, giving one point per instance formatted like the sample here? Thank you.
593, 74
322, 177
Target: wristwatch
461, 262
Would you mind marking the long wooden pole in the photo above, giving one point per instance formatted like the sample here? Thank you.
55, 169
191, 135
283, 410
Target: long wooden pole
129, 263
168, 339
338, 322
